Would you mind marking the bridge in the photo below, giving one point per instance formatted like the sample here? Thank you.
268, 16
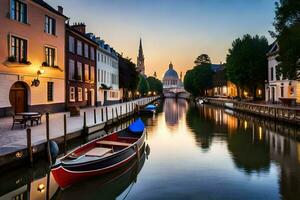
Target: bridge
176, 93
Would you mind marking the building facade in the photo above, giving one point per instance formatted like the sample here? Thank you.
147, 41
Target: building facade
140, 63
107, 73
32, 61
81, 90
276, 87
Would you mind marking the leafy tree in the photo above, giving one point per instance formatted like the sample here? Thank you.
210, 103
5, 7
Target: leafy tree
155, 85
198, 80
128, 76
287, 26
247, 63
202, 59
143, 86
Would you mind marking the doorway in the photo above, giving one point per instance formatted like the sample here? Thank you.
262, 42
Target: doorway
18, 96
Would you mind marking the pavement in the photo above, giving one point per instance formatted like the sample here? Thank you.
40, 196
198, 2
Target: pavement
14, 140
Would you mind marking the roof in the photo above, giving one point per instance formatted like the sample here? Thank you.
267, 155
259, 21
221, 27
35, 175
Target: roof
86, 37
274, 48
217, 67
171, 73
48, 7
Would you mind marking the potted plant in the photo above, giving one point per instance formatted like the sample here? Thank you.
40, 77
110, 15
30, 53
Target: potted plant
45, 64
11, 59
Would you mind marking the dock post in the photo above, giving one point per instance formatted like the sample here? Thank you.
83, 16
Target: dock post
95, 116
65, 134
106, 113
102, 115
112, 114
121, 111
84, 123
126, 108
48, 139
29, 148
116, 112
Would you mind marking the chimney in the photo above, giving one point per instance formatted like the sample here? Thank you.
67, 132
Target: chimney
79, 27
60, 9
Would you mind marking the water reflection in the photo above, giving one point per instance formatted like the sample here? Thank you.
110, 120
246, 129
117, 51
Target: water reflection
203, 152
174, 110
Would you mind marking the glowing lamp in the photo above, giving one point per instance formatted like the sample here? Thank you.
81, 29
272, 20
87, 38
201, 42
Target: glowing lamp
41, 187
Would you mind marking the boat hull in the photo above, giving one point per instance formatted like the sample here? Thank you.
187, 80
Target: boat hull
66, 175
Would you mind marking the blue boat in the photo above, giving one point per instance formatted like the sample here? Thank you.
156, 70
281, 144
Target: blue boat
149, 109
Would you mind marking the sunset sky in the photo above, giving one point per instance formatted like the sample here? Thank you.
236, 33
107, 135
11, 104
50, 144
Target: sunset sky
171, 30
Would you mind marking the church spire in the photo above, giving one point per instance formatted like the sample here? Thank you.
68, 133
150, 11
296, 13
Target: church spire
140, 60
141, 53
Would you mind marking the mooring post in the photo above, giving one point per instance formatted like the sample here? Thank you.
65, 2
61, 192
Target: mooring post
112, 113
117, 112
48, 139
95, 116
121, 111
126, 108
106, 113
102, 115
65, 134
29, 148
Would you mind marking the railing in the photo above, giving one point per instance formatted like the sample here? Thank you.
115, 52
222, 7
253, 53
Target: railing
276, 112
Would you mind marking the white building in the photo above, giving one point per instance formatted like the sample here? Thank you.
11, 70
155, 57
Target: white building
107, 73
277, 87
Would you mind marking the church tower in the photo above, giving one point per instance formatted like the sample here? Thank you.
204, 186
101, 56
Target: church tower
140, 67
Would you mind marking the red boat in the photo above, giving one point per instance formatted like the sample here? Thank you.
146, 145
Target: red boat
100, 156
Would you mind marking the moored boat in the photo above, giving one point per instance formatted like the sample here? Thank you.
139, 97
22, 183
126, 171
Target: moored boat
149, 109
100, 156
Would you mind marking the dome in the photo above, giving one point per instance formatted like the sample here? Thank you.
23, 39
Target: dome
171, 73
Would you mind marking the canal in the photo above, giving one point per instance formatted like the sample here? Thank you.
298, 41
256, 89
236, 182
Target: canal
193, 152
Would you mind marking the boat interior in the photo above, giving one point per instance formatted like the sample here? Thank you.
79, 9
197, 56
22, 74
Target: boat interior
102, 148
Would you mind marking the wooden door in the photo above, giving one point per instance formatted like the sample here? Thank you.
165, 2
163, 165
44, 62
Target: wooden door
18, 100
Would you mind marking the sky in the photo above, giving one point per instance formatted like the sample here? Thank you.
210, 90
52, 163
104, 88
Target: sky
171, 30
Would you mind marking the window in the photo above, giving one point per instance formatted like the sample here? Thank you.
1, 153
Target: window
98, 75
18, 48
102, 59
104, 77
86, 73
281, 91
72, 94
98, 56
50, 56
272, 74
92, 53
101, 76
92, 74
79, 71
18, 11
113, 79
50, 25
86, 50
71, 44
50, 91
86, 94
72, 70
79, 91
79, 47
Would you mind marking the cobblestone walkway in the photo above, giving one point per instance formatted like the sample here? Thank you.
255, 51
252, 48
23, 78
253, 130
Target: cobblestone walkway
13, 140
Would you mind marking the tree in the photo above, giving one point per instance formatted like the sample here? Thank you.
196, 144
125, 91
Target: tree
155, 85
287, 26
198, 80
143, 86
202, 59
247, 63
128, 76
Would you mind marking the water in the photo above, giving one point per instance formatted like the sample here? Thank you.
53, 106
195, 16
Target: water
194, 153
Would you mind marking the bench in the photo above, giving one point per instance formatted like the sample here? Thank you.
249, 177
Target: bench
98, 152
113, 143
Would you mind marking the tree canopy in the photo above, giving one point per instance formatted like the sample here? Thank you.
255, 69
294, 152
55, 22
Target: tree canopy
287, 26
143, 86
128, 76
155, 85
247, 63
198, 80
202, 59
